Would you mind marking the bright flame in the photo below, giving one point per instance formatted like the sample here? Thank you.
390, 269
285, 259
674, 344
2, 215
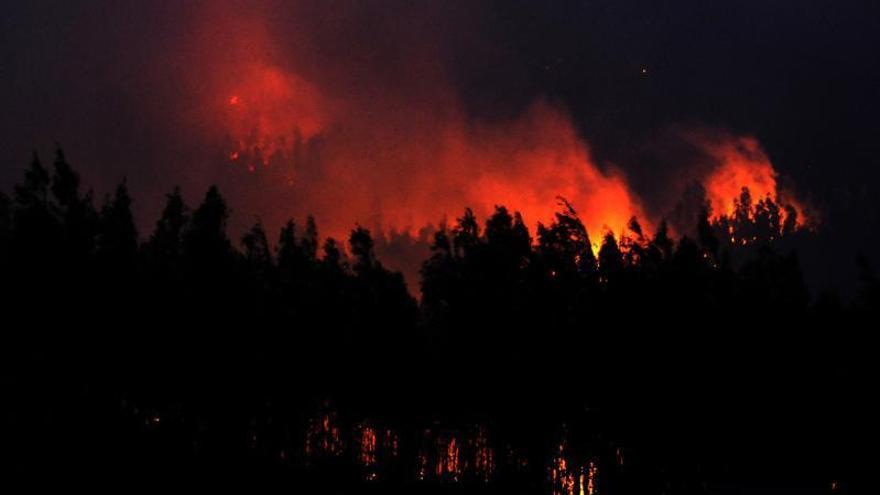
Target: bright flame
566, 478
742, 163
386, 142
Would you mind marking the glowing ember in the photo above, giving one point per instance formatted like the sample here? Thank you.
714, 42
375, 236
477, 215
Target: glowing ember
323, 437
367, 454
368, 451
441, 458
449, 463
484, 455
390, 443
568, 479
591, 479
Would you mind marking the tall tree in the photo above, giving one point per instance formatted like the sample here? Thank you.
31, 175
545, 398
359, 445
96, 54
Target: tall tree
5, 225
206, 245
364, 256
79, 220
610, 260
65, 182
165, 245
117, 236
466, 234
36, 231
256, 248
34, 191
310, 240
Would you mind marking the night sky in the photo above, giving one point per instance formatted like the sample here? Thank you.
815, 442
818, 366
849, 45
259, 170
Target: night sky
127, 89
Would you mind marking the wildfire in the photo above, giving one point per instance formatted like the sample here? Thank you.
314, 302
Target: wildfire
452, 456
742, 163
592, 470
566, 478
278, 112
323, 436
367, 455
449, 462
318, 129
484, 455
390, 443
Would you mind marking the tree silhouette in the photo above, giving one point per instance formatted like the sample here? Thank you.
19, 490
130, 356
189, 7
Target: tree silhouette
364, 257
256, 248
610, 261
35, 230
117, 243
165, 246
5, 227
65, 182
205, 244
193, 351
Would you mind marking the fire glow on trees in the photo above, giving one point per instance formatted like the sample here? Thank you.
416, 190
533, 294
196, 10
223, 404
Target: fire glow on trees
389, 138
742, 163
527, 162
272, 113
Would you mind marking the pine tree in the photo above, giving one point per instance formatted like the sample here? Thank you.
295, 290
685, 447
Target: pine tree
117, 235
165, 246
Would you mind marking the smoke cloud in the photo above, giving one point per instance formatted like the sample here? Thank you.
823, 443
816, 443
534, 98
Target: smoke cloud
352, 111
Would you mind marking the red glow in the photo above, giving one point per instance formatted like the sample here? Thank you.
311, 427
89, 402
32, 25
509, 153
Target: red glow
278, 110
566, 478
484, 455
427, 174
399, 151
386, 142
743, 163
323, 436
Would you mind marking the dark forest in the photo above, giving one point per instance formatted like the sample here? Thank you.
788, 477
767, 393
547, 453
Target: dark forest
523, 363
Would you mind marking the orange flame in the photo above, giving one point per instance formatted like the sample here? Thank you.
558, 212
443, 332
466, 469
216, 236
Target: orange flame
569, 479
396, 150
742, 163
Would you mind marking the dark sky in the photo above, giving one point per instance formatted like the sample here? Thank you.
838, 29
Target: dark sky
109, 81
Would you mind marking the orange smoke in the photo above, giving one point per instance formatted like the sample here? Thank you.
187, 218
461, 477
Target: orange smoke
394, 179
384, 141
525, 165
336, 121
742, 163
270, 112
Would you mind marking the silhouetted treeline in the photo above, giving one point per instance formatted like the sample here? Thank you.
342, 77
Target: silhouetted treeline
523, 327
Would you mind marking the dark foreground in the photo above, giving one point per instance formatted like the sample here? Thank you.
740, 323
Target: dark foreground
529, 364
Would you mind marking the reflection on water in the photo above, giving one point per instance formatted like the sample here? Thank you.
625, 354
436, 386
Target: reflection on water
442, 454
323, 437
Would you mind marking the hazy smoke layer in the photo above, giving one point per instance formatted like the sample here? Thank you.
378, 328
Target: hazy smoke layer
349, 110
